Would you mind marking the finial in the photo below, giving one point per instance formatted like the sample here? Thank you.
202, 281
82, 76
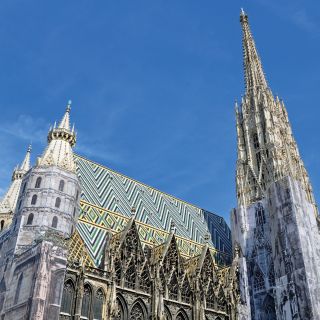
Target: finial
206, 237
69, 106
133, 212
172, 227
29, 147
243, 16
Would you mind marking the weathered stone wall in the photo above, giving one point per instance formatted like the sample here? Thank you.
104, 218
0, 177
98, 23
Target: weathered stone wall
296, 253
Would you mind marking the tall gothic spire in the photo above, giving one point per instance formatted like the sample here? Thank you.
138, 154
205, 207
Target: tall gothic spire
267, 150
254, 75
61, 140
9, 201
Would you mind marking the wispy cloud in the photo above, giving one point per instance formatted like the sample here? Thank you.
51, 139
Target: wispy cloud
293, 12
26, 128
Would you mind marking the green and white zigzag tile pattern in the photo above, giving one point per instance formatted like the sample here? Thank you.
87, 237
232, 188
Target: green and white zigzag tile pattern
117, 193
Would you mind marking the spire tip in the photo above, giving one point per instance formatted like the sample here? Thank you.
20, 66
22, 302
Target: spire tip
69, 105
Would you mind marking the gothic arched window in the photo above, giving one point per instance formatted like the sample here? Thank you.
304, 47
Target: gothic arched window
185, 291
210, 297
269, 308
130, 276
259, 214
120, 314
38, 182
30, 219
54, 222
24, 187
61, 185
173, 287
98, 305
144, 280
68, 297
58, 202
255, 141
167, 314
258, 280
17, 293
34, 199
137, 312
86, 301
272, 280
1, 225
181, 316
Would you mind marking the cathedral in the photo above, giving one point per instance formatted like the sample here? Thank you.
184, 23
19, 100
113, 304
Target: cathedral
79, 240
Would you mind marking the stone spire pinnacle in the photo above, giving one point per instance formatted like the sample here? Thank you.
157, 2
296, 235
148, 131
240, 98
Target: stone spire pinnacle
267, 150
254, 75
8, 203
25, 165
60, 143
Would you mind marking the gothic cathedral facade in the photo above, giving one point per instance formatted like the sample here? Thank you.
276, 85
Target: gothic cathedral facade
68, 253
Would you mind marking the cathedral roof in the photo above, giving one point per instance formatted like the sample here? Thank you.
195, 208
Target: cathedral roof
108, 198
95, 224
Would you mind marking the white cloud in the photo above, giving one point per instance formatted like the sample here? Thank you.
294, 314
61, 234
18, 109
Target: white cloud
26, 128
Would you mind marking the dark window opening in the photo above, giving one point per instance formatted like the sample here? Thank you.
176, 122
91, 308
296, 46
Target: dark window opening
34, 199
61, 185
38, 182
54, 222
30, 219
58, 202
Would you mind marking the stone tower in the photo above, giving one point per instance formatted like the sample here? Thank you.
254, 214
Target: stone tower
9, 201
275, 222
45, 216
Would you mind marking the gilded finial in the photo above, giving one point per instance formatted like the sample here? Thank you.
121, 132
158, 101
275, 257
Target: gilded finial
69, 106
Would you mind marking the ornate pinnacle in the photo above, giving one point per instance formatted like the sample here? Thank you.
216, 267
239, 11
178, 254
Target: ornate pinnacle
254, 75
63, 132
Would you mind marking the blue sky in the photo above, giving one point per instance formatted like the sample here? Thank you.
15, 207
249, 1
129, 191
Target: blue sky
153, 85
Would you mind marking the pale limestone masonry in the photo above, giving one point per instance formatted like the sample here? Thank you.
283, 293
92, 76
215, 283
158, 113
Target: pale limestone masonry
275, 222
33, 251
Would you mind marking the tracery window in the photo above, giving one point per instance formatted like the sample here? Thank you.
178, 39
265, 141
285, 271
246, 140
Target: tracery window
167, 314
119, 312
118, 271
269, 308
260, 216
34, 199
61, 185
86, 301
54, 222
181, 316
68, 297
258, 281
210, 298
17, 294
30, 219
38, 182
98, 305
186, 291
58, 202
272, 281
145, 280
255, 141
137, 312
221, 301
130, 276
173, 287
1, 225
